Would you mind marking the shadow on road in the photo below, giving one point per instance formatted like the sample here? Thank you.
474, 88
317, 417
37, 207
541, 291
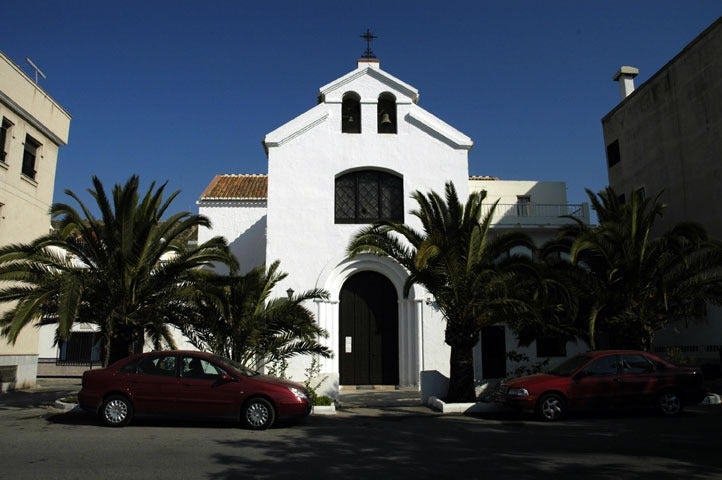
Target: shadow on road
433, 446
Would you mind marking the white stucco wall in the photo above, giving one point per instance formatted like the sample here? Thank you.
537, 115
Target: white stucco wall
242, 224
507, 191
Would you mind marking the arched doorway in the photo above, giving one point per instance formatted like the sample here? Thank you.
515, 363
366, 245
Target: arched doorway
368, 331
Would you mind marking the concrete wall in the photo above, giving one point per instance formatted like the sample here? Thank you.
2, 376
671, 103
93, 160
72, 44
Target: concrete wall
670, 135
670, 138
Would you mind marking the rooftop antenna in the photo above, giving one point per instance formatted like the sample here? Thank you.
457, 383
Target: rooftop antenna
37, 70
369, 37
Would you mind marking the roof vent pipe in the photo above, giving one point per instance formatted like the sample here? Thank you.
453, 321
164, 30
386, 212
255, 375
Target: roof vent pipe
625, 77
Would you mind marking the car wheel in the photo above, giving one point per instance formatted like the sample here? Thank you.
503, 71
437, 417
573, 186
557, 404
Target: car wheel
116, 411
258, 414
669, 403
551, 407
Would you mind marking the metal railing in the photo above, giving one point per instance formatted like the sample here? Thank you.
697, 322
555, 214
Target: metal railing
537, 213
82, 348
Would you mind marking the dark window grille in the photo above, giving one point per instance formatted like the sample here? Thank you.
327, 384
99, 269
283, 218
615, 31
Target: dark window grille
29, 157
369, 196
82, 348
8, 373
3, 139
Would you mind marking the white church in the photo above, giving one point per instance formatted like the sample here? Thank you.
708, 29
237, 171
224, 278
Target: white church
355, 158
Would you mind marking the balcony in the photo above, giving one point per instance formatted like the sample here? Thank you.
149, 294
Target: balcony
537, 214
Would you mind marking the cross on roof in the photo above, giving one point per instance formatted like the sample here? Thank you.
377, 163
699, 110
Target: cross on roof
369, 37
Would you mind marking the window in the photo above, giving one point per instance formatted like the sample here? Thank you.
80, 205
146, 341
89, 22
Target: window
30, 156
351, 113
613, 156
368, 196
636, 364
8, 373
608, 365
163, 366
194, 367
386, 113
523, 206
551, 347
4, 132
81, 348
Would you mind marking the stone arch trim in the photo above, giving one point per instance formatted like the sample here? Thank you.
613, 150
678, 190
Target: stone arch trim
409, 313
385, 266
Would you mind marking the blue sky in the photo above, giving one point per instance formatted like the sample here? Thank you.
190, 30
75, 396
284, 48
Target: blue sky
180, 91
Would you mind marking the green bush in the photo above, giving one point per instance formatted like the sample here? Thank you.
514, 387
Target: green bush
322, 401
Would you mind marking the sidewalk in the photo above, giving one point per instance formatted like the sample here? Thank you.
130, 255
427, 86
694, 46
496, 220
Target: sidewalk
45, 393
379, 398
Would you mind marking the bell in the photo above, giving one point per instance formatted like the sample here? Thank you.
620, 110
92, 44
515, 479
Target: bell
385, 119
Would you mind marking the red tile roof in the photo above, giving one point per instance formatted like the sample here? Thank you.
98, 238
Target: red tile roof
237, 187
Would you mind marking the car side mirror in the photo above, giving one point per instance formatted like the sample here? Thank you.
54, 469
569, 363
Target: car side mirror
579, 375
224, 377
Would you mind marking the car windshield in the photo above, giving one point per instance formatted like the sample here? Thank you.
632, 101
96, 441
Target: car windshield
242, 369
569, 366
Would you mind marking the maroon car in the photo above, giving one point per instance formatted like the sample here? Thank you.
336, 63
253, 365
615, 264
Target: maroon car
605, 379
190, 384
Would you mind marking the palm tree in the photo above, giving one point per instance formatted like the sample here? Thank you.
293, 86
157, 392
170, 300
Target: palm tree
239, 320
127, 271
470, 272
638, 283
556, 293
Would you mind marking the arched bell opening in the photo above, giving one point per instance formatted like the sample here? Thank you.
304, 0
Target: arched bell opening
351, 113
386, 113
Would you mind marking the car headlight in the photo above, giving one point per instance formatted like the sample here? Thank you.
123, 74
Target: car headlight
300, 394
518, 392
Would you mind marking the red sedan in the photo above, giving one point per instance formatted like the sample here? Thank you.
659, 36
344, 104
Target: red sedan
190, 384
605, 379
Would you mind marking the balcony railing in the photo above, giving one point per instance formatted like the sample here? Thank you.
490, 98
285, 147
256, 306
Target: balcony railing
537, 214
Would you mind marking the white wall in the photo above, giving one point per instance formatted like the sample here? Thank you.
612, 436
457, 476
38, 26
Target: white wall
242, 224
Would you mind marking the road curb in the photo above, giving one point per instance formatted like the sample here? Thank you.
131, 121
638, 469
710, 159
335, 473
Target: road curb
66, 406
471, 407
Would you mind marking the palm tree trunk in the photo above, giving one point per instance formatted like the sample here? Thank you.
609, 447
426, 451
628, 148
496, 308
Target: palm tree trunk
461, 373
647, 338
125, 341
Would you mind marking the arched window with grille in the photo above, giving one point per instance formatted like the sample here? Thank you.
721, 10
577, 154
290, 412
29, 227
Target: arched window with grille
351, 113
367, 196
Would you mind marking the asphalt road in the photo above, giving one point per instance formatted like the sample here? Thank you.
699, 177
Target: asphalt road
39, 442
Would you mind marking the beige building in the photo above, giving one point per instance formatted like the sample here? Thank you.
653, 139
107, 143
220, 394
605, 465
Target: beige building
34, 127
666, 135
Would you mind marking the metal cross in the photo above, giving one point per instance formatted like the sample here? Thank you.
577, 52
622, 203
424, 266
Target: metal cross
369, 37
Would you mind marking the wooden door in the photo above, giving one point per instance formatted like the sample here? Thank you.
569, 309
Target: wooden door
368, 331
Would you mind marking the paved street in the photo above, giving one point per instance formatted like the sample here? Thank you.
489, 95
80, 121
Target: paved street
402, 441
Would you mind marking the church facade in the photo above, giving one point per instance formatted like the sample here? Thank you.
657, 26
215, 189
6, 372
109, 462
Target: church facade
355, 158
